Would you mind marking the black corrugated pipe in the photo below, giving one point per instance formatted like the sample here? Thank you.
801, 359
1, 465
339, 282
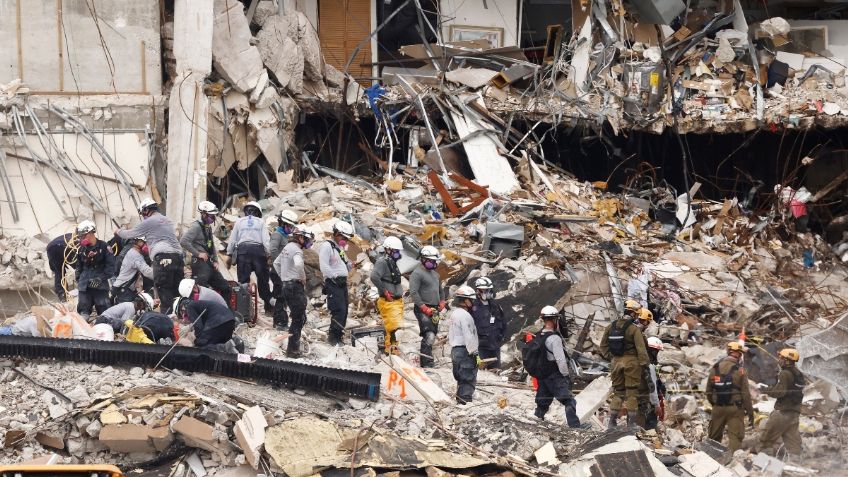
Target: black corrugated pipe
108, 353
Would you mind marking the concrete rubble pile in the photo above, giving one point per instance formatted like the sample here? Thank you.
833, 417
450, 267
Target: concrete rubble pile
712, 72
23, 264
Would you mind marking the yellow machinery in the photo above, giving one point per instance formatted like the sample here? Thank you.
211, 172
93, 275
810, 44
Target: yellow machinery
92, 470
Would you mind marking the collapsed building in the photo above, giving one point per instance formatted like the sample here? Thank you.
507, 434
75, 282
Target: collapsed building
578, 153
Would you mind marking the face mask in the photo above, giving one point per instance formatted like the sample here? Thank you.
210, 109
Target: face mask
430, 264
286, 229
145, 250
85, 242
342, 243
486, 294
395, 254
209, 219
307, 244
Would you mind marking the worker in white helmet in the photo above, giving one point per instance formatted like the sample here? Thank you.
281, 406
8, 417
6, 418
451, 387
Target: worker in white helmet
462, 338
387, 278
250, 242
133, 266
199, 241
652, 391
95, 266
286, 222
489, 320
165, 250
428, 298
554, 379
335, 266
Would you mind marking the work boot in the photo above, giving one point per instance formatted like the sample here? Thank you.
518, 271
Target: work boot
539, 414
238, 343
293, 353
281, 327
612, 420
631, 419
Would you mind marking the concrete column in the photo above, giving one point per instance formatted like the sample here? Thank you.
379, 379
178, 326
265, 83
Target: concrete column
188, 110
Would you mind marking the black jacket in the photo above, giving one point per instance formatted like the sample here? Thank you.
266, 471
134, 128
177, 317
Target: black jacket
216, 315
490, 323
95, 262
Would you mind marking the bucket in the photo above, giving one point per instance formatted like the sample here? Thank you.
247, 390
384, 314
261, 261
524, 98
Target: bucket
266, 348
104, 332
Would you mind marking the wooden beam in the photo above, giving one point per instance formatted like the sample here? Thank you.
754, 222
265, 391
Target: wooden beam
443, 192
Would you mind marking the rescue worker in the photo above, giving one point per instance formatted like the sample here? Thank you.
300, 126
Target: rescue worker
727, 391
555, 382
652, 391
490, 322
157, 327
133, 265
428, 298
387, 278
118, 314
198, 241
335, 267
782, 424
95, 266
190, 289
213, 325
286, 221
290, 268
462, 337
165, 250
251, 245
624, 344
61, 252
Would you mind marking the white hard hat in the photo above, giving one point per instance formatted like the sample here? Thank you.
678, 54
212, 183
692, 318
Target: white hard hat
549, 312
301, 230
145, 204
186, 286
253, 204
148, 300
85, 227
393, 243
208, 207
343, 228
655, 342
287, 217
139, 237
483, 283
430, 252
465, 291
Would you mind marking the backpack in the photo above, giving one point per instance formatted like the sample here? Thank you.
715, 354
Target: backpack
723, 385
616, 340
534, 356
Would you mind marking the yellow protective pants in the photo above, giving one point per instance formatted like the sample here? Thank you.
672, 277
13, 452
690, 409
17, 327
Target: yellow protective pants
391, 312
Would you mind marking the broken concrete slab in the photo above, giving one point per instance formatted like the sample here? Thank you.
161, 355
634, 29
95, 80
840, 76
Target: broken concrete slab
196, 433
250, 434
471, 77
825, 354
592, 397
280, 52
301, 445
700, 464
235, 59
126, 438
48, 439
407, 382
161, 438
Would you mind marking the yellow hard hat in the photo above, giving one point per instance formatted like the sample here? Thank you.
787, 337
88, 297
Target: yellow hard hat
789, 353
632, 305
735, 346
646, 315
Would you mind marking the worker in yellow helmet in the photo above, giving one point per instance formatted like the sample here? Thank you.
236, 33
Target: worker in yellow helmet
727, 391
782, 424
624, 345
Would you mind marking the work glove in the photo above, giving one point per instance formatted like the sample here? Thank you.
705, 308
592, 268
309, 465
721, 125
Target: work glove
427, 310
477, 360
442, 305
388, 295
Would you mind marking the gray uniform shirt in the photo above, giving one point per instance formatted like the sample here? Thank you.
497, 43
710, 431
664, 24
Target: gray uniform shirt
194, 241
289, 264
555, 352
159, 232
331, 263
119, 313
278, 241
249, 229
133, 263
462, 331
381, 277
425, 287
208, 294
